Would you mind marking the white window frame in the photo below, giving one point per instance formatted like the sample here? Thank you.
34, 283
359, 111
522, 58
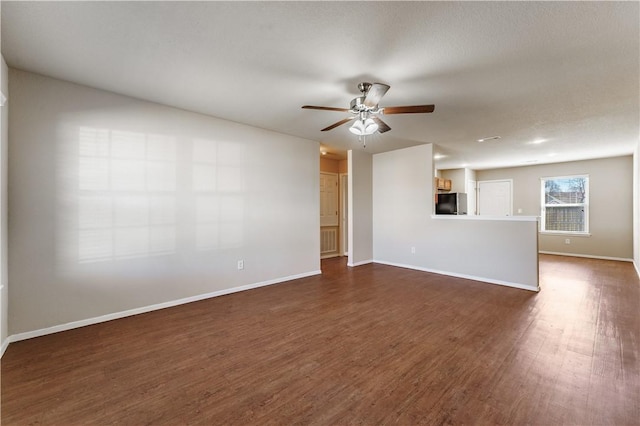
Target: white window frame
585, 205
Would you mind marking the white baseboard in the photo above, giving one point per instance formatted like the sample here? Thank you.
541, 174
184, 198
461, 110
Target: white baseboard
141, 310
635, 265
4, 346
467, 277
588, 256
364, 262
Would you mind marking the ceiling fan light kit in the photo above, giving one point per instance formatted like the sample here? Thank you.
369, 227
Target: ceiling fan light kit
364, 127
365, 108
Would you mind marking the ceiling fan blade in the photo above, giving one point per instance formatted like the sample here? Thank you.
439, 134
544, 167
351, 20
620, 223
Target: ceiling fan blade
325, 108
375, 93
414, 109
339, 123
382, 126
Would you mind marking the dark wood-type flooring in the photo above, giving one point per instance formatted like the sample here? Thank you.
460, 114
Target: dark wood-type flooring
368, 345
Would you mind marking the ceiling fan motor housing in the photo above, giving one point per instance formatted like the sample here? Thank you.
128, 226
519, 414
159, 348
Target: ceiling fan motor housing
364, 87
357, 105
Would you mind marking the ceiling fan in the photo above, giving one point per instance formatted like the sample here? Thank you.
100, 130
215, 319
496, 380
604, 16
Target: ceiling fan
365, 110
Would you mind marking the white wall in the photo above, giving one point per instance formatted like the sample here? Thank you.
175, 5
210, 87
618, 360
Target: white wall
4, 141
610, 200
458, 179
636, 208
360, 212
498, 251
470, 189
117, 204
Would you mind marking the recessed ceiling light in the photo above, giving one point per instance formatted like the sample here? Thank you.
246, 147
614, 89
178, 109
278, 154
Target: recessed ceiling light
438, 156
537, 141
490, 138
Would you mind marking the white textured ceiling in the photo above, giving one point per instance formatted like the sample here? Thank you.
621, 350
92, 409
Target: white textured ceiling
563, 72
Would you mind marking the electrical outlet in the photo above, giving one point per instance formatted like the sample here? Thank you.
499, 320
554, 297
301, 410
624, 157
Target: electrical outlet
567, 241
240, 264
413, 250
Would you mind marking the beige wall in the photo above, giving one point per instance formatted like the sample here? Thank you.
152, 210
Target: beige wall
457, 176
498, 251
118, 205
343, 166
360, 223
610, 196
328, 165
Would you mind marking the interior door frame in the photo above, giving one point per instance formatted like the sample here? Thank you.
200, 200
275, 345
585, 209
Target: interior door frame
343, 219
472, 188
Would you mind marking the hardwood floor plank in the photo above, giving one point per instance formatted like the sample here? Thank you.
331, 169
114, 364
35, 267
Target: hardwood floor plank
369, 345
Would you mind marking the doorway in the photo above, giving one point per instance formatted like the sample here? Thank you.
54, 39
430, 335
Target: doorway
334, 201
329, 217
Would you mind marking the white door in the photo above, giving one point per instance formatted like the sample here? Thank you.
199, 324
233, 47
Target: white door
494, 198
328, 199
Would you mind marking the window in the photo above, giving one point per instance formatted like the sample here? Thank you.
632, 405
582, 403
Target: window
565, 204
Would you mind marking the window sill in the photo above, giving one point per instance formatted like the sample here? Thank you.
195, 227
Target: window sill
567, 234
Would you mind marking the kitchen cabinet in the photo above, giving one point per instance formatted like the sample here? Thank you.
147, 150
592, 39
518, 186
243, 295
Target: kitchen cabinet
443, 184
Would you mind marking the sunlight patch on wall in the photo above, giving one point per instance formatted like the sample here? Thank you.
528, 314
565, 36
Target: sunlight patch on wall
218, 183
133, 195
126, 195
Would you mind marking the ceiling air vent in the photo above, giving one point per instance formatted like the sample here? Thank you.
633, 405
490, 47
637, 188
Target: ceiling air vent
490, 138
